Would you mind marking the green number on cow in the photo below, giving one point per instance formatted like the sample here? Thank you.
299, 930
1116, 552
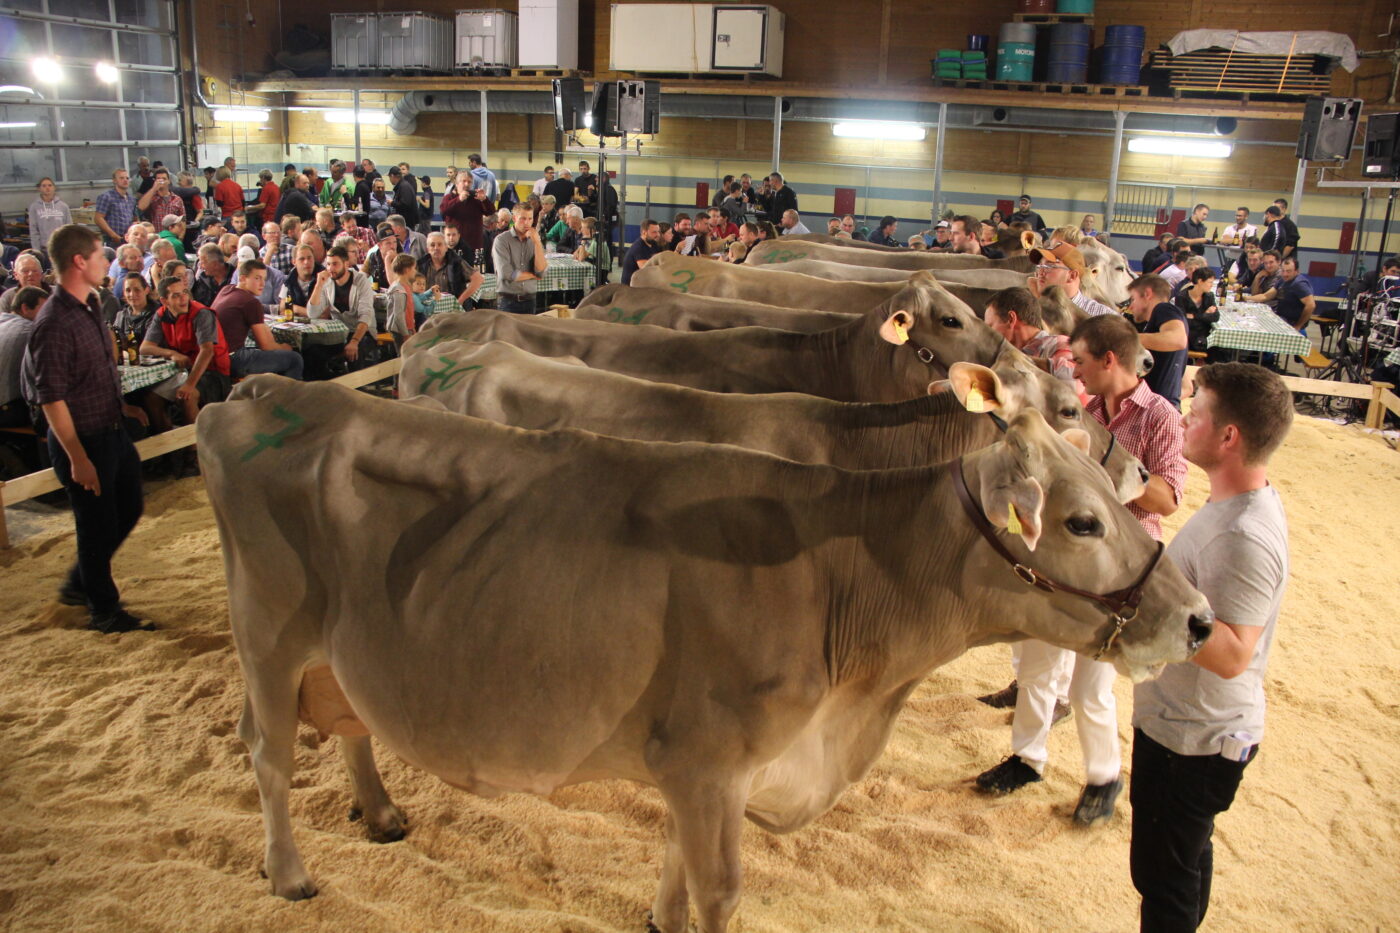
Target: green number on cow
782, 255
448, 376
429, 342
682, 286
620, 316
273, 441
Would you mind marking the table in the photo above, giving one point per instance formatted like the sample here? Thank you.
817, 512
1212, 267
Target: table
1257, 329
1393, 358
327, 331
564, 274
143, 377
1226, 254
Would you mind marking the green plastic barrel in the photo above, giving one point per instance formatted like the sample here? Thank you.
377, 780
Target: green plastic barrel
1015, 61
1085, 7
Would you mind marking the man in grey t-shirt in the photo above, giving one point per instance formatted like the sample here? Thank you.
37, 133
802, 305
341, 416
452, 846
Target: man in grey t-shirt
1198, 725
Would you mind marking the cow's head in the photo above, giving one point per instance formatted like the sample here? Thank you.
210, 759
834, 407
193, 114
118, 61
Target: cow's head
933, 329
1109, 274
1015, 383
1054, 510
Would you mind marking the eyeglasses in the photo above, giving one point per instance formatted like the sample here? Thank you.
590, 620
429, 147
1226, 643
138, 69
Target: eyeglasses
1045, 267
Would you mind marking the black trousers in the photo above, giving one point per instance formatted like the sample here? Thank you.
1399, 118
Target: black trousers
103, 521
1175, 799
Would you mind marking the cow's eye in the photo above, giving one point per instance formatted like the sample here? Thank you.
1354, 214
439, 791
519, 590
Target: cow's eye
1085, 526
1069, 413
951, 322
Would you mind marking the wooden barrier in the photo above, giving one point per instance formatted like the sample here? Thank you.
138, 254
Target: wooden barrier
36, 484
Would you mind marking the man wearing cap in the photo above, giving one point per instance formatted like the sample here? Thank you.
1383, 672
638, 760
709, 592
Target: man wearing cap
942, 236
210, 231
1063, 265
1027, 216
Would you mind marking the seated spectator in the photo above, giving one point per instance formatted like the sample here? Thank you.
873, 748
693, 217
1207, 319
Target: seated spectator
291, 229
736, 252
1192, 264
647, 245
228, 194
175, 268
228, 245
565, 233
274, 284
161, 253
833, 226
749, 235
303, 279
587, 248
997, 219
276, 252
410, 241
792, 223
214, 273
1086, 226
721, 227
766, 231
942, 236
133, 318
16, 324
1176, 272
172, 230
883, 234
352, 247
379, 261
238, 223
449, 274
324, 225
549, 213
248, 247
47, 213
402, 318
1296, 303
1265, 287
312, 238
917, 242
129, 262
341, 293
1247, 267
1152, 259
240, 309
187, 333
214, 228
1197, 302
350, 226
27, 272
681, 231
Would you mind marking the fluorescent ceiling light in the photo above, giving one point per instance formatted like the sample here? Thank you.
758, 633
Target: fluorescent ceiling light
106, 72
1177, 146
17, 126
17, 89
239, 115
878, 129
367, 117
47, 70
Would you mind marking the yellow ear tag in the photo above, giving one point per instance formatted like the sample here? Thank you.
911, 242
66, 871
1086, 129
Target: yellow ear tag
1013, 524
975, 401
901, 332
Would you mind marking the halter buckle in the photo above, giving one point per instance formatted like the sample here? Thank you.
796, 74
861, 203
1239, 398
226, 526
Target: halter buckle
1119, 620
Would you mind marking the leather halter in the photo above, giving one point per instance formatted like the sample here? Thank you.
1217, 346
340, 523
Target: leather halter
1122, 605
1107, 452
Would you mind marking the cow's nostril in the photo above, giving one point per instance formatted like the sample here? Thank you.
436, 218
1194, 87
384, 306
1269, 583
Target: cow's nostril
1143, 474
1200, 627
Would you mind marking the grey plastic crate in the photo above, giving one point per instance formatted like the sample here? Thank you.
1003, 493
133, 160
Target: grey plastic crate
415, 42
354, 42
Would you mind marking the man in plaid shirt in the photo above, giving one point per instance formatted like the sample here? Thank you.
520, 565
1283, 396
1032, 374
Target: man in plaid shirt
159, 201
1106, 353
350, 226
116, 208
277, 254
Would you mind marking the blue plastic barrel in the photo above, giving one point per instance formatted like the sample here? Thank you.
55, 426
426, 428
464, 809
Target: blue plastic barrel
1069, 54
1120, 59
977, 43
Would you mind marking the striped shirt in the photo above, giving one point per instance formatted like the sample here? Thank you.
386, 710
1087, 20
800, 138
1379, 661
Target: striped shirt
118, 210
1149, 428
1089, 306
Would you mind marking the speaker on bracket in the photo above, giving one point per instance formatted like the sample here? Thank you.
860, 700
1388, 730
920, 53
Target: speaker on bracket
1381, 156
626, 107
570, 107
1328, 128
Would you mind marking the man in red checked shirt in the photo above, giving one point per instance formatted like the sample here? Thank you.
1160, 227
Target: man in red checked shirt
159, 201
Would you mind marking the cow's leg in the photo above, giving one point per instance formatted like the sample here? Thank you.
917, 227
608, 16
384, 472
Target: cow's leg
709, 816
269, 728
384, 822
670, 912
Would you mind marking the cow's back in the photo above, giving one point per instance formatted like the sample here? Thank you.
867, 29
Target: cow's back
689, 275
633, 304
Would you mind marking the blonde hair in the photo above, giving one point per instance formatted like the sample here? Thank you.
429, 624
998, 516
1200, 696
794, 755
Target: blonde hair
222, 173
1067, 234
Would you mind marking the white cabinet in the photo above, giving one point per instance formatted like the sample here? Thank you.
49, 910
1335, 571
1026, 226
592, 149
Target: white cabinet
549, 34
748, 38
688, 38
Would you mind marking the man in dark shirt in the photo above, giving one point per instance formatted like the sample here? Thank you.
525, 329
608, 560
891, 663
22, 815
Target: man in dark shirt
297, 200
1295, 296
1192, 230
214, 274
405, 198
1162, 330
586, 184
782, 198
883, 235
1290, 230
641, 251
562, 188
1275, 235
76, 382
1027, 216
239, 310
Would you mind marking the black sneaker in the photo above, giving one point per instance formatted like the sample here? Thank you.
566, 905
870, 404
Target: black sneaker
1096, 803
1062, 712
1011, 775
70, 595
114, 623
1002, 699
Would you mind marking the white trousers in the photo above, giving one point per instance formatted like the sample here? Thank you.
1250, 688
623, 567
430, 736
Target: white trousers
1059, 679
1091, 695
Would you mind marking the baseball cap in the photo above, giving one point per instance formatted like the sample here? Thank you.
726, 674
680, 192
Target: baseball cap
212, 222
1061, 253
383, 230
942, 225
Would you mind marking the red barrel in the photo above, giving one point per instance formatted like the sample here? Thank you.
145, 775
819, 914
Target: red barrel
1035, 6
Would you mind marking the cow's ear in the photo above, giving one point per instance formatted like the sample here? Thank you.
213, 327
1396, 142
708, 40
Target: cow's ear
938, 387
1013, 504
896, 327
977, 387
923, 277
1028, 239
1077, 437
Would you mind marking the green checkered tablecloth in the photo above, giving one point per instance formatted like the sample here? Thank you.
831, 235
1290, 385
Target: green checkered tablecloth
296, 333
565, 274
143, 377
1257, 329
1393, 359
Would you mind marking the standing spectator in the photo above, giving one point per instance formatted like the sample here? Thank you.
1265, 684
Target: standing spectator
377, 206
339, 190
520, 264
425, 204
228, 194
1290, 235
1162, 330
883, 234
1014, 313
371, 173
1241, 229
1192, 231
214, 274
159, 201
116, 208
76, 384
733, 204
314, 181
240, 308
1086, 226
543, 182
1275, 235
189, 195
1199, 724
16, 326
144, 178
209, 172
782, 199
639, 254
492, 227
297, 200
404, 200
562, 188
792, 224
963, 238
465, 207
449, 274
187, 333
1026, 215
47, 213
586, 188
401, 320
269, 196
1296, 303
289, 178
1152, 259
483, 177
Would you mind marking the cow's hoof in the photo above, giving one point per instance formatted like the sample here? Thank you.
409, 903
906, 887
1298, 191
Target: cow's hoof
302, 890
651, 927
390, 827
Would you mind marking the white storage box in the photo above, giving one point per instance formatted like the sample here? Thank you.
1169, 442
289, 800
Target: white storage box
690, 38
485, 40
549, 34
748, 39
414, 42
354, 41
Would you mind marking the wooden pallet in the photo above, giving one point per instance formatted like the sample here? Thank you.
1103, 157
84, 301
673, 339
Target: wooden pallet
688, 77
544, 72
1219, 70
1050, 19
1044, 87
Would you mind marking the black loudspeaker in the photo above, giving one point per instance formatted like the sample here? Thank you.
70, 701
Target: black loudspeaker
1328, 129
570, 108
626, 107
1381, 157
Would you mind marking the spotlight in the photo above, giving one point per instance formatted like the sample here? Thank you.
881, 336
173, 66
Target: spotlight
106, 72
47, 70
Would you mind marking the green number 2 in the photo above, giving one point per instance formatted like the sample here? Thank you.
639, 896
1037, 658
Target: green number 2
619, 316
782, 255
682, 286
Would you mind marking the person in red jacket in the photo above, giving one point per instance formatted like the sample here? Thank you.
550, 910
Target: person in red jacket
464, 207
188, 334
227, 192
